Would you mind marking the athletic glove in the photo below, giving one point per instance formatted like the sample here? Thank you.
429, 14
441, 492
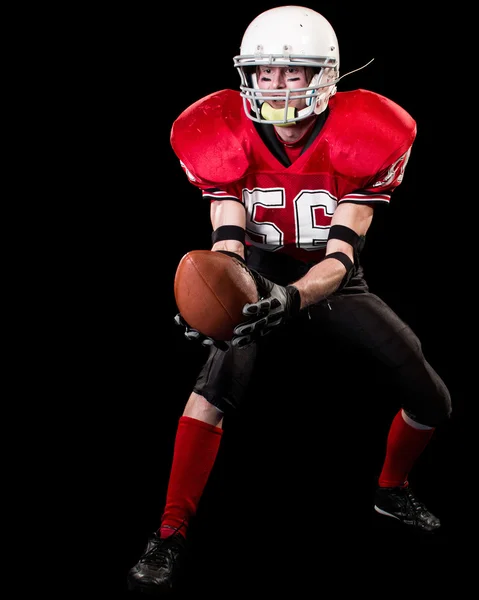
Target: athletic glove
194, 335
276, 306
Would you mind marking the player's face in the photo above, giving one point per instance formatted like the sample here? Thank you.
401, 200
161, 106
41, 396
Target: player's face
280, 78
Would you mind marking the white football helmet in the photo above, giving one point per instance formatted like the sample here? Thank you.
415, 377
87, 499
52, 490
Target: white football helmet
288, 36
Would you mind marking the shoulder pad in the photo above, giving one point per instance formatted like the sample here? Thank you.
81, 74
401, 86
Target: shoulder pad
369, 132
208, 139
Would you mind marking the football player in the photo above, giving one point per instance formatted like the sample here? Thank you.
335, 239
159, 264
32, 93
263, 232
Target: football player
293, 170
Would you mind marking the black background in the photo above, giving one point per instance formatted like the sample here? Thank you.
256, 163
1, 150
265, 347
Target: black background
289, 503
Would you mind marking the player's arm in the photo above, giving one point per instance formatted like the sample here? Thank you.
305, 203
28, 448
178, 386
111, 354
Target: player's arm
228, 219
335, 269
350, 222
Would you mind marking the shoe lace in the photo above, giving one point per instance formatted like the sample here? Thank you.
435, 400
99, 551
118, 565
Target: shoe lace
160, 550
417, 506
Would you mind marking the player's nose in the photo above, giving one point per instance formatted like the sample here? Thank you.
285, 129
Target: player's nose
277, 79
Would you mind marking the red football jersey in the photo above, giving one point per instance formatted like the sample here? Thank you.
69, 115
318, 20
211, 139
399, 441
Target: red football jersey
358, 156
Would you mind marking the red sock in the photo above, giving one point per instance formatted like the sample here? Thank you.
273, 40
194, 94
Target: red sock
195, 451
404, 446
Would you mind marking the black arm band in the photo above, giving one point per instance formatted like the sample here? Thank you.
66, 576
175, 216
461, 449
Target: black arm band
343, 258
228, 232
345, 234
233, 254
348, 264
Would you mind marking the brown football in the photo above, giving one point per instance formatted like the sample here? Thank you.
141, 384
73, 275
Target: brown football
211, 289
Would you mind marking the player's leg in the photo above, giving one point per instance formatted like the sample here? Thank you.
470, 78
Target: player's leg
367, 322
220, 385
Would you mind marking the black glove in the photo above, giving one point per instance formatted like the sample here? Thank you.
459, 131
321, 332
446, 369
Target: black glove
194, 335
276, 306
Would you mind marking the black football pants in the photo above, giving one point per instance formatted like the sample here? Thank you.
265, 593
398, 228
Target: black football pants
354, 319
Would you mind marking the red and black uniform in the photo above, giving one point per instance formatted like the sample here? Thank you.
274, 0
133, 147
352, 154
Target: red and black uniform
356, 152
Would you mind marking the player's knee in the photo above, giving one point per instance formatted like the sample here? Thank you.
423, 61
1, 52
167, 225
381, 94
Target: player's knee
198, 407
433, 412
221, 402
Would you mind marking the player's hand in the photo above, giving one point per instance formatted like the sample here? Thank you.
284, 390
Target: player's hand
276, 306
194, 335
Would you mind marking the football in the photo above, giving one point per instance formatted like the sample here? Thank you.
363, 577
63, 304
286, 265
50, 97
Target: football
210, 290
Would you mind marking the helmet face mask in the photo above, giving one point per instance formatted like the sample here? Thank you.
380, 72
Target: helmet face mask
281, 37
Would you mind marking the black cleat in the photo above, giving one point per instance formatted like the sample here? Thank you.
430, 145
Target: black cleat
400, 503
157, 570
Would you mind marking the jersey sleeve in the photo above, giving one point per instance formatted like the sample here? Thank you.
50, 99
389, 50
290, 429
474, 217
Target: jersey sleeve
379, 191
